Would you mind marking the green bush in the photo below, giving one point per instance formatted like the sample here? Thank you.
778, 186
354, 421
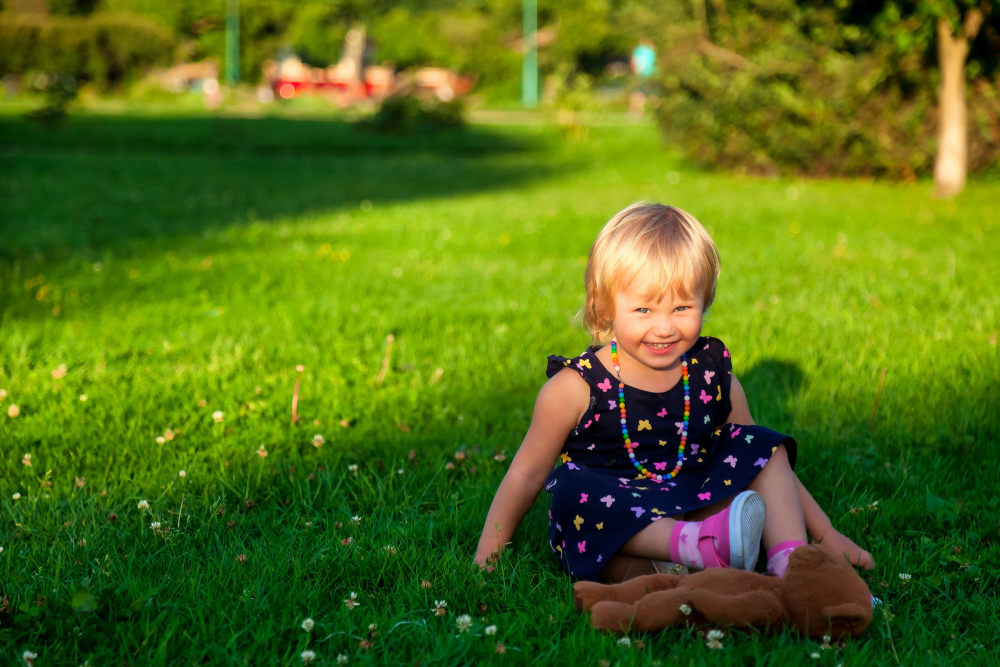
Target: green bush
406, 114
792, 88
104, 49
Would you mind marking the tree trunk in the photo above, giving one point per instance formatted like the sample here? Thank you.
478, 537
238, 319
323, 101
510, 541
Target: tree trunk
951, 161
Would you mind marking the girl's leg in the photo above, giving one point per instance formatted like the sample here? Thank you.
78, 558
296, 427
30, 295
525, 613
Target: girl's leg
622, 568
778, 486
683, 541
703, 513
637, 556
652, 542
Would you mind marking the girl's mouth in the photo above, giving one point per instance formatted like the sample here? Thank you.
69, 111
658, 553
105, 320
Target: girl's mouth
660, 348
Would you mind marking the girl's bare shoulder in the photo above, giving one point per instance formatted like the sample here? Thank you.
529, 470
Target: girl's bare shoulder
564, 397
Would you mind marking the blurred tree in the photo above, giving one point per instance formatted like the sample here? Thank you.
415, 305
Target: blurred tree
954, 35
818, 87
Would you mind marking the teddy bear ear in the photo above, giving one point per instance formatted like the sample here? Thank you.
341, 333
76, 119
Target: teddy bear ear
847, 619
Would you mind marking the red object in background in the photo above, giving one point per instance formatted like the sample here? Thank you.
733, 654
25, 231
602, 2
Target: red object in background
293, 78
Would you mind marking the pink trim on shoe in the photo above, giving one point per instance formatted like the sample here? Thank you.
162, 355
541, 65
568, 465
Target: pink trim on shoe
715, 526
675, 536
777, 556
788, 544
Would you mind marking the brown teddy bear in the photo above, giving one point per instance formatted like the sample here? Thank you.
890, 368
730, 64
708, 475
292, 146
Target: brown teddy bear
820, 594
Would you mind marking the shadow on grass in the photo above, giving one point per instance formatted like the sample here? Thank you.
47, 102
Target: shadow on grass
98, 183
771, 386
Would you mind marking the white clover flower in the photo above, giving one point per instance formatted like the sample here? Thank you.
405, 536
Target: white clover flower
29, 658
625, 641
355, 519
439, 608
155, 525
307, 656
16, 496
26, 460
490, 630
308, 624
13, 411
372, 627
143, 505
182, 473
463, 623
814, 656
714, 639
341, 659
83, 398
318, 440
160, 440
352, 601
399, 472
261, 452
353, 468
3, 394
391, 550
1, 550
686, 610
217, 416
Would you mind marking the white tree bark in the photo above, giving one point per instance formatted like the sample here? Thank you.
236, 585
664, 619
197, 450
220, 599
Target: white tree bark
951, 161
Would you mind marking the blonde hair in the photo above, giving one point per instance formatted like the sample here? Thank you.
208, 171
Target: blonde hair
667, 247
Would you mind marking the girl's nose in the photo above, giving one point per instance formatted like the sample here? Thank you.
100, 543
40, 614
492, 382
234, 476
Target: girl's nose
665, 328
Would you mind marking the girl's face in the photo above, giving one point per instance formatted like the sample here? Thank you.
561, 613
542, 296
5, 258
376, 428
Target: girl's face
656, 333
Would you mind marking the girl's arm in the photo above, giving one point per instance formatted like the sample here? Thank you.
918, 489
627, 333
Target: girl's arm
558, 409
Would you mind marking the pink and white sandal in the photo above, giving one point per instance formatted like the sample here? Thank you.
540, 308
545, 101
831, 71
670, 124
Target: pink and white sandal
730, 538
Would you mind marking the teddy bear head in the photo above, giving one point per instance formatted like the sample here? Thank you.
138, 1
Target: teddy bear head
823, 594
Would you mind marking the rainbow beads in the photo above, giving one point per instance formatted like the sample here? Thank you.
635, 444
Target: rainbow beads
629, 445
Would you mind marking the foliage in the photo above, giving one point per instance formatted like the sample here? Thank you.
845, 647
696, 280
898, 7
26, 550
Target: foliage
407, 114
829, 97
462, 40
167, 261
60, 91
470, 37
106, 49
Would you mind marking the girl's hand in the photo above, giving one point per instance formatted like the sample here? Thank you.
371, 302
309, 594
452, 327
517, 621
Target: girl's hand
839, 543
485, 560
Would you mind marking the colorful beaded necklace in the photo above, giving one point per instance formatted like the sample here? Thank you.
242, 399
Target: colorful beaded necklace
629, 445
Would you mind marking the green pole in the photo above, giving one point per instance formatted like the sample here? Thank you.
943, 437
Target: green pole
232, 41
529, 64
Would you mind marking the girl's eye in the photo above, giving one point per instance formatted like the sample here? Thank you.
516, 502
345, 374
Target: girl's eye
642, 310
681, 307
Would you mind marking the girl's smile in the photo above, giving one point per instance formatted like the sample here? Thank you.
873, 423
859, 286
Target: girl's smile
660, 348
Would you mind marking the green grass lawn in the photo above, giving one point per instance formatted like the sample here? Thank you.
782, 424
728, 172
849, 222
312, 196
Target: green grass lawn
176, 267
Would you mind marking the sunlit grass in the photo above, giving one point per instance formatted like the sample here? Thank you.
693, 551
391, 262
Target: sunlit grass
180, 268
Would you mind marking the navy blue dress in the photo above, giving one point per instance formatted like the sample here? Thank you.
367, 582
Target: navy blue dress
599, 504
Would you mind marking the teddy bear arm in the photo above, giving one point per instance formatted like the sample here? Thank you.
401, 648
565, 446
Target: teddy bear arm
656, 611
587, 593
753, 608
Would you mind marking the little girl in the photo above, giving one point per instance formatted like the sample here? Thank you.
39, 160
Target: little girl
660, 459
